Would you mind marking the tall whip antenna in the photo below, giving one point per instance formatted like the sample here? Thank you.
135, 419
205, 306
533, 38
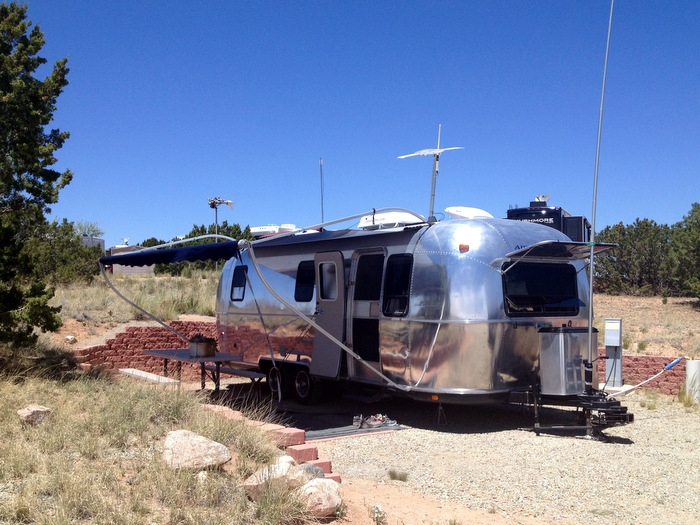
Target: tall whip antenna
595, 191
320, 163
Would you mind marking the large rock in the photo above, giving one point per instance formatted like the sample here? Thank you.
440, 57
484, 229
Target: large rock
186, 450
33, 414
284, 474
322, 497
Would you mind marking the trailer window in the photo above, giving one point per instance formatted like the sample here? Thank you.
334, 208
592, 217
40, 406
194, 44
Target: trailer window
304, 287
238, 284
368, 279
327, 281
536, 289
397, 283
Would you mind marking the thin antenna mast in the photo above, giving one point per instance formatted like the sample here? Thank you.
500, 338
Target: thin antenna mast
436, 167
320, 163
595, 191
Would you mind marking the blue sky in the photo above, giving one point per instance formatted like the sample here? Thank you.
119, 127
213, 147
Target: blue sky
171, 103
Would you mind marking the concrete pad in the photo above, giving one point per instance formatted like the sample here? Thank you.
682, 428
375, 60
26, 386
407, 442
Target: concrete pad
148, 376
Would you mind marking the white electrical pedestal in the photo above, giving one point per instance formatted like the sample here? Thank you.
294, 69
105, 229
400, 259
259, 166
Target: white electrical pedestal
613, 352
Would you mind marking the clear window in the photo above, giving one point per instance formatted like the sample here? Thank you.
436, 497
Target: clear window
397, 283
238, 284
536, 289
327, 281
304, 287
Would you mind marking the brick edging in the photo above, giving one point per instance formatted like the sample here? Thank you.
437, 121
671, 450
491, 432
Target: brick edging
291, 440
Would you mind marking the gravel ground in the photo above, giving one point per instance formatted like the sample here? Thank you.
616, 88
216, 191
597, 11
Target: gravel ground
643, 473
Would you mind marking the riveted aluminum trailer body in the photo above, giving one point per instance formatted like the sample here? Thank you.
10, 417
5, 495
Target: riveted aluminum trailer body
447, 309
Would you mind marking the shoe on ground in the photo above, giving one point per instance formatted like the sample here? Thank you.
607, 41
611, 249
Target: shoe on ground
371, 422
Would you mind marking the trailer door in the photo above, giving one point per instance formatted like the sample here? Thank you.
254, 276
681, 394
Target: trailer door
330, 313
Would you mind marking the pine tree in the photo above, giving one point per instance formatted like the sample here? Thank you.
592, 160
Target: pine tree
28, 184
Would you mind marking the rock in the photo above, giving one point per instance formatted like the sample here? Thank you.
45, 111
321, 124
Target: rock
34, 414
322, 497
313, 471
187, 450
284, 460
284, 474
71, 339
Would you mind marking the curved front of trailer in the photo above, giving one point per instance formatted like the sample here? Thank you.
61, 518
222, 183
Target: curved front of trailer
460, 340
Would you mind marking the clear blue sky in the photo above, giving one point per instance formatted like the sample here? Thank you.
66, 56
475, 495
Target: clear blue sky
171, 103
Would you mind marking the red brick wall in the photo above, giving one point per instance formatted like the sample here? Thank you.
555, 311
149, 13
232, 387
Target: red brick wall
638, 368
126, 351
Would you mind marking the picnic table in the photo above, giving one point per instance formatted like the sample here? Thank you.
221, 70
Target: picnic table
182, 355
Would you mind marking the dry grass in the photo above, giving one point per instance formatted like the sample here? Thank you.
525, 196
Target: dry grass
98, 458
165, 297
652, 325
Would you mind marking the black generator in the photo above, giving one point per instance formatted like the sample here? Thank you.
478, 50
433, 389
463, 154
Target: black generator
577, 228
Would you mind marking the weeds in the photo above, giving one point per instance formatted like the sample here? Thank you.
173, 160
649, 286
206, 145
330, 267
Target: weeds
651, 400
626, 342
378, 515
97, 458
341, 512
165, 297
687, 398
278, 506
396, 475
43, 360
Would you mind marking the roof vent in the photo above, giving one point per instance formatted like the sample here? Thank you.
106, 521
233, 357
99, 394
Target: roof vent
466, 212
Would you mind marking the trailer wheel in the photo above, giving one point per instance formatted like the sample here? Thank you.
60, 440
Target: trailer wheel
304, 386
274, 379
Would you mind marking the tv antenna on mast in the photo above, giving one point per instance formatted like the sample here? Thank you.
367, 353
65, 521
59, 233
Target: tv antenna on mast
436, 167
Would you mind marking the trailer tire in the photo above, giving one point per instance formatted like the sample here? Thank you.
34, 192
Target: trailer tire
274, 380
306, 389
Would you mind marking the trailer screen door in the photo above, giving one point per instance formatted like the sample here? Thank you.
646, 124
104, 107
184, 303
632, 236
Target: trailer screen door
330, 313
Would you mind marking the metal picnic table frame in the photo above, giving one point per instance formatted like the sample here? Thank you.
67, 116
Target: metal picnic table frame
182, 355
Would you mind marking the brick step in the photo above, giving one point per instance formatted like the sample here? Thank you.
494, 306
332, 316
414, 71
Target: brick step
288, 436
303, 453
323, 464
334, 477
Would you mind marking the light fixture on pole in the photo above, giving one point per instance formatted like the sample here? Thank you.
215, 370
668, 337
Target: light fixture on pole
215, 203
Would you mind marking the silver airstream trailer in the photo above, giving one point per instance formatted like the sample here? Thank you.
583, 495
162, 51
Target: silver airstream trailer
467, 310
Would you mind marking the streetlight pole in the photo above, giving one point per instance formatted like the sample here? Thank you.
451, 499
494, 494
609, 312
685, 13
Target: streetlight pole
215, 203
